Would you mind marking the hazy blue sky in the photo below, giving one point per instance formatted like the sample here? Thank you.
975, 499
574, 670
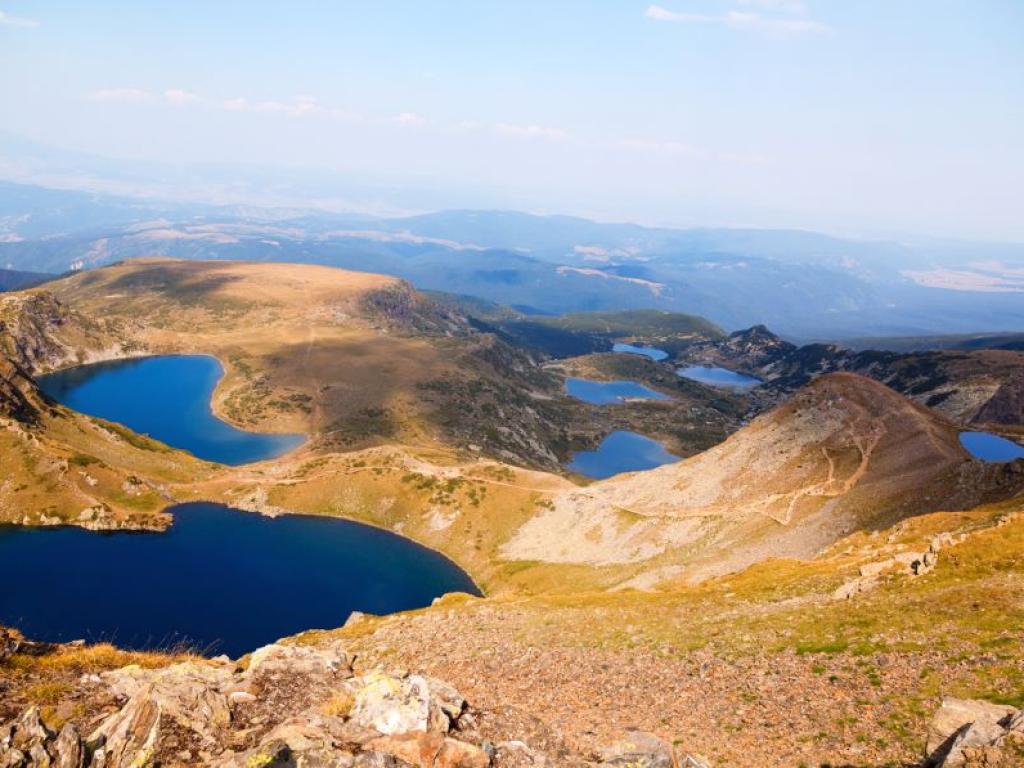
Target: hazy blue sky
846, 115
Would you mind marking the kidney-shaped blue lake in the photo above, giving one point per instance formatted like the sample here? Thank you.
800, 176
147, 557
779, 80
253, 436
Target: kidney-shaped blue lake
219, 579
621, 451
167, 398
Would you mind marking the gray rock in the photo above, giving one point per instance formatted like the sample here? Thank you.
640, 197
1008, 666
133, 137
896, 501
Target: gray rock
638, 750
298, 742
963, 723
28, 743
127, 738
392, 704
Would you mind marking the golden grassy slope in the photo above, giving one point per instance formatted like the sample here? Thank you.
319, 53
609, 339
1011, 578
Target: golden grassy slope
296, 342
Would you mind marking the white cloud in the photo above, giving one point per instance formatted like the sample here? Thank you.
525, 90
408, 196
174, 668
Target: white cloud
675, 148
300, 106
120, 94
408, 118
179, 97
744, 20
6, 20
756, 21
531, 131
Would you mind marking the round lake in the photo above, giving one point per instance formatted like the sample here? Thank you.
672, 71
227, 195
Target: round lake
219, 580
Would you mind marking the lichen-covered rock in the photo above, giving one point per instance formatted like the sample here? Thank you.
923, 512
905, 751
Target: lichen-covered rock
314, 664
393, 704
127, 739
191, 693
297, 742
28, 743
638, 750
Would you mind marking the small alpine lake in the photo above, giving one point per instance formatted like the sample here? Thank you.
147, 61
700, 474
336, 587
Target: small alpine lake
167, 398
989, 447
610, 392
651, 352
621, 451
714, 376
219, 579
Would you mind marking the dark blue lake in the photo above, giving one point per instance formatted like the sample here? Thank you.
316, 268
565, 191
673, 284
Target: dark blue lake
989, 447
718, 377
651, 352
609, 392
167, 398
219, 579
621, 451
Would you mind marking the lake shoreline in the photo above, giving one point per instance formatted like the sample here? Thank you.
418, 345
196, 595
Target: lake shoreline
376, 571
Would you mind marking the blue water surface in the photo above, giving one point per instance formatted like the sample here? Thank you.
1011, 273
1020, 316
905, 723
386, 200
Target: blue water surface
651, 352
621, 451
167, 398
219, 579
989, 447
609, 392
718, 377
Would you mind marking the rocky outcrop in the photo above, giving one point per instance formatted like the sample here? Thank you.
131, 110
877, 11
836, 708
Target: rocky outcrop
19, 398
29, 743
968, 733
753, 349
902, 563
295, 705
39, 333
401, 307
1006, 406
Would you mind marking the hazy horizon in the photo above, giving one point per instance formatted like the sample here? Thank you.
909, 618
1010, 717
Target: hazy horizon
871, 120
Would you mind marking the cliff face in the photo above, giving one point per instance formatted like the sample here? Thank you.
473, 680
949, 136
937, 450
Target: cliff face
19, 398
38, 332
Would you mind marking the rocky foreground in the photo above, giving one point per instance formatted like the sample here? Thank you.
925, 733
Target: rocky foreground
288, 705
299, 705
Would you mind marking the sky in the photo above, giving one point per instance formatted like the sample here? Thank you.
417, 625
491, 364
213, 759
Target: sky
848, 116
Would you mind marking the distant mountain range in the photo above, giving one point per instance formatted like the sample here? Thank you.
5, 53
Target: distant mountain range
801, 284
13, 280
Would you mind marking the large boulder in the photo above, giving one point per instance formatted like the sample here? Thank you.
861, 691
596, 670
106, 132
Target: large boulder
638, 750
968, 732
391, 704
